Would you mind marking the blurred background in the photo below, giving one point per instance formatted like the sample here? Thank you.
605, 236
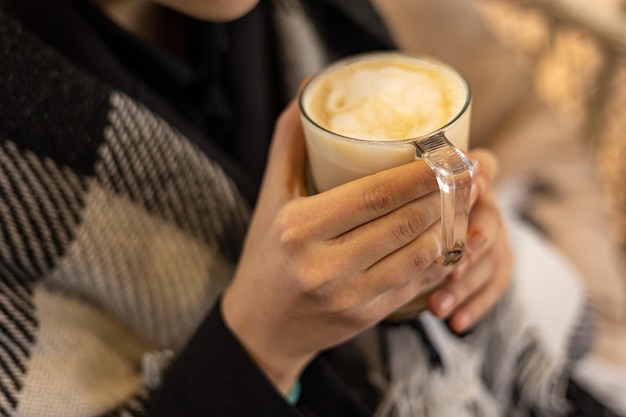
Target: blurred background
576, 50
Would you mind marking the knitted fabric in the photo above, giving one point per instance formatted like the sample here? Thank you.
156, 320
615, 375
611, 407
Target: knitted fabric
116, 236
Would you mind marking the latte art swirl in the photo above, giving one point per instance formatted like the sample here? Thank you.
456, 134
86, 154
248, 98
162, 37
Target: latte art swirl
360, 115
387, 100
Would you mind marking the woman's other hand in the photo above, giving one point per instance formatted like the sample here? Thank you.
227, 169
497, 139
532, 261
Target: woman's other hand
480, 280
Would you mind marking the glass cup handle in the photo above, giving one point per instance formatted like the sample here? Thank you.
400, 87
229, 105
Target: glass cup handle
454, 173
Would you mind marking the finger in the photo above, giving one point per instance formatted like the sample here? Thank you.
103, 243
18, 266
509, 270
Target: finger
353, 204
470, 312
488, 163
341, 263
286, 167
484, 233
453, 293
403, 296
414, 260
368, 244
484, 225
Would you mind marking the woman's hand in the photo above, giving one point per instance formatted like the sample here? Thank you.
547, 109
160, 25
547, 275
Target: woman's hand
478, 282
316, 270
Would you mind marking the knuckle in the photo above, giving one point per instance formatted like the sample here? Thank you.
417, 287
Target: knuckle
409, 226
421, 259
426, 180
378, 200
342, 306
288, 228
313, 288
318, 281
313, 285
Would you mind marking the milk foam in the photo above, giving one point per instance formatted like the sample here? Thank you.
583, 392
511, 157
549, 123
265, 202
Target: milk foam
387, 100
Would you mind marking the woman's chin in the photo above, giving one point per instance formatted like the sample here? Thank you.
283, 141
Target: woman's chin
214, 10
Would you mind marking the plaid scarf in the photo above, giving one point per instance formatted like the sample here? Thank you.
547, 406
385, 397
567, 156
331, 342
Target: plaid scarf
116, 236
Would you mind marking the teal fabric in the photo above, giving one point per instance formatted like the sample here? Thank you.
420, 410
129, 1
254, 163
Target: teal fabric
294, 394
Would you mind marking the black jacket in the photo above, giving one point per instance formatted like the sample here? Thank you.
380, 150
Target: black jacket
55, 56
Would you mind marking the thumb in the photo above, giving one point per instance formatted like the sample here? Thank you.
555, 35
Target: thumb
286, 165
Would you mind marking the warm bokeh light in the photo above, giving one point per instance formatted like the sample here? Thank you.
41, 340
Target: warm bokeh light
567, 63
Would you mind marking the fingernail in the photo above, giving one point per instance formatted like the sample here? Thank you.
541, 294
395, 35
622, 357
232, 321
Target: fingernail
443, 301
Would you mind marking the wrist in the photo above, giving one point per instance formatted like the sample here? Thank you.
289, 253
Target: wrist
282, 367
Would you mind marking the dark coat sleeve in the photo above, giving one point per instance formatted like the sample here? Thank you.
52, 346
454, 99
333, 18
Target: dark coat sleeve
214, 377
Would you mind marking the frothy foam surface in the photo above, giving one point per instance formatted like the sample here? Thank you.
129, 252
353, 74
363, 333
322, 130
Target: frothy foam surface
385, 100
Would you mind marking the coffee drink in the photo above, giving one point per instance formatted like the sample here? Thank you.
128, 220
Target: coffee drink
375, 111
354, 106
385, 100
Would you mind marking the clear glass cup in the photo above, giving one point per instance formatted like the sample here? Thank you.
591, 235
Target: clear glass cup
338, 158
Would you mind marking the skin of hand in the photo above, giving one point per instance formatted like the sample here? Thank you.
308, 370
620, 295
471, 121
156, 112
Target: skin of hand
317, 270
483, 275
